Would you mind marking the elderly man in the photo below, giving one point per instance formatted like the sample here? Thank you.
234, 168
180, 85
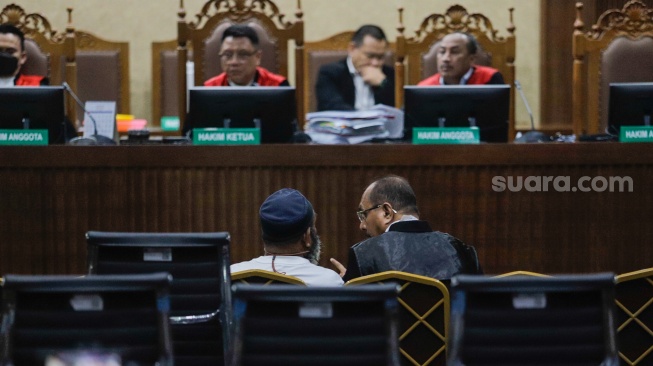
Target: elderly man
361, 80
240, 58
456, 54
13, 57
400, 241
290, 240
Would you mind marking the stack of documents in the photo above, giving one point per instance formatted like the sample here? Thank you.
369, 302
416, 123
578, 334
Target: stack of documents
353, 127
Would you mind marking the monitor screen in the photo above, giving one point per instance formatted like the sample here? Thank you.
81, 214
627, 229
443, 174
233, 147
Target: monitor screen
273, 109
34, 108
630, 105
484, 106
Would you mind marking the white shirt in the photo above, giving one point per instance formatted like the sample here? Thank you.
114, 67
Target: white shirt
7, 82
403, 218
463, 80
364, 93
299, 267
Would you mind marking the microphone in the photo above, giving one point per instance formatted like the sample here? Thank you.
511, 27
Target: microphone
532, 135
99, 139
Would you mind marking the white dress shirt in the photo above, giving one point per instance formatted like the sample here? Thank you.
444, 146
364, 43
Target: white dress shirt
403, 218
7, 82
464, 79
364, 93
299, 267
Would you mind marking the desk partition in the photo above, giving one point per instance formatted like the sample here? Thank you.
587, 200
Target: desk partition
50, 196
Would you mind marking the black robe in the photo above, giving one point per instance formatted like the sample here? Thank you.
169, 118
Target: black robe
411, 246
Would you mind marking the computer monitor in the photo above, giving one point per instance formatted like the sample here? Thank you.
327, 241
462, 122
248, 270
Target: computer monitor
630, 105
484, 106
34, 108
273, 109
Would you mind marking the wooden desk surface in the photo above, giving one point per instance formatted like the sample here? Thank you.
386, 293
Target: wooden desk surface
50, 196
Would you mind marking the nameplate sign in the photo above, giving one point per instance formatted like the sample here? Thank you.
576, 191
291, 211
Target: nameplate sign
226, 136
170, 123
636, 134
446, 135
23, 137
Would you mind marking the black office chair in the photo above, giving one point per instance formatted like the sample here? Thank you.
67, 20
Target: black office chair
125, 316
520, 320
289, 325
201, 308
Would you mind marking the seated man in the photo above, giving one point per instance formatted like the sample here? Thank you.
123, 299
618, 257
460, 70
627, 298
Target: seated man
361, 80
456, 53
13, 57
240, 57
399, 241
290, 240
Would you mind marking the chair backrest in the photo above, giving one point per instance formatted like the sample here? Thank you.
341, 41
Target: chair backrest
423, 316
164, 80
294, 325
123, 315
263, 277
417, 55
560, 320
49, 53
102, 71
521, 273
201, 307
618, 48
325, 51
634, 293
204, 37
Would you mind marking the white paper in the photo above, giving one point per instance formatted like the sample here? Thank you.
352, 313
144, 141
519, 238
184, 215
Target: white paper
353, 127
104, 114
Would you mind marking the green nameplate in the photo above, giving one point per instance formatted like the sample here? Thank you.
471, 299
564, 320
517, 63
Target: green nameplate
23, 137
636, 134
170, 123
226, 136
446, 135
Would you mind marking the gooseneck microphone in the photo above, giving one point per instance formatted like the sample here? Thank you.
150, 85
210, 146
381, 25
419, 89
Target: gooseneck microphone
528, 107
532, 135
99, 139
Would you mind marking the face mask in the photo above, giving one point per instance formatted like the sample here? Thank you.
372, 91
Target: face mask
8, 65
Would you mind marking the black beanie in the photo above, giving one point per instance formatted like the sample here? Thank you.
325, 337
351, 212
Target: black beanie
285, 215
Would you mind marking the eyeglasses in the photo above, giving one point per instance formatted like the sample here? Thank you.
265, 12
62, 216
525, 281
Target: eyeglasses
362, 214
240, 55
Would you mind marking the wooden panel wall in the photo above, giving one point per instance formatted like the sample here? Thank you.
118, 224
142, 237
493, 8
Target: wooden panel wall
49, 197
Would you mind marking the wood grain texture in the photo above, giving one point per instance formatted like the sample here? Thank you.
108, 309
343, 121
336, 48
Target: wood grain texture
50, 196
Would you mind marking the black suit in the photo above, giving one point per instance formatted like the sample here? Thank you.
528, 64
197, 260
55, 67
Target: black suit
336, 92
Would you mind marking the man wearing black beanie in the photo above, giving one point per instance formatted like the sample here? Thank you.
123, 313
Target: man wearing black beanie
290, 240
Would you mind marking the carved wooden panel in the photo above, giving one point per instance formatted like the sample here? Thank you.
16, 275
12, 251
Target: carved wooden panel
556, 29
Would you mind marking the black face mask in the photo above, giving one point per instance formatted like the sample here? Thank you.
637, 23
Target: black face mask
8, 65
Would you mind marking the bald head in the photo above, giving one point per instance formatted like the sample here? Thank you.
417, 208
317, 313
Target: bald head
456, 54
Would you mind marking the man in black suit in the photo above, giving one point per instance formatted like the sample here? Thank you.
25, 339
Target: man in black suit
361, 80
